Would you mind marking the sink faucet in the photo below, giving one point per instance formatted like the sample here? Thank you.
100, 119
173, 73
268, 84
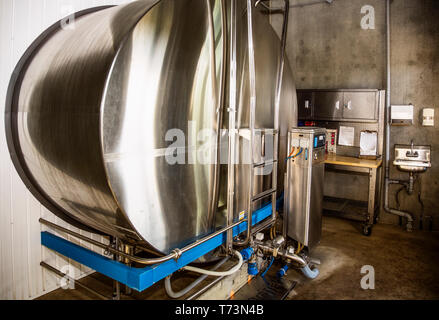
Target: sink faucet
411, 153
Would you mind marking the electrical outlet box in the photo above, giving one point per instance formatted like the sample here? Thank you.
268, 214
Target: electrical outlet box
428, 117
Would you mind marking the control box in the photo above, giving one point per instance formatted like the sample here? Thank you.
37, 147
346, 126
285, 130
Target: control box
304, 184
331, 140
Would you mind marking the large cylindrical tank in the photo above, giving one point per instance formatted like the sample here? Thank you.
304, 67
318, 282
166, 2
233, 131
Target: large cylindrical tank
93, 108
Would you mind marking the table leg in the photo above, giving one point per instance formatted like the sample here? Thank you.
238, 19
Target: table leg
371, 201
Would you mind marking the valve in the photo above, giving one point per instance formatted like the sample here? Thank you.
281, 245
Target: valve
247, 253
282, 271
252, 269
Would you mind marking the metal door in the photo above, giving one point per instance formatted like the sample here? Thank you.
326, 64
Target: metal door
305, 104
328, 105
315, 212
360, 105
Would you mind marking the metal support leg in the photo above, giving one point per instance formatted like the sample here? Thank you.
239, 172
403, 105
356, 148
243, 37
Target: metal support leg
65, 276
116, 285
128, 250
380, 190
371, 202
116, 290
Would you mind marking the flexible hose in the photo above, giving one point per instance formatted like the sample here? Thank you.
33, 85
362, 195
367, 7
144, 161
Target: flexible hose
218, 273
296, 155
301, 150
311, 274
179, 294
268, 268
292, 151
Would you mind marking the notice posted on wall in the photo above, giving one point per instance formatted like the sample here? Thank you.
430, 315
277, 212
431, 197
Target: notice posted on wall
346, 136
368, 143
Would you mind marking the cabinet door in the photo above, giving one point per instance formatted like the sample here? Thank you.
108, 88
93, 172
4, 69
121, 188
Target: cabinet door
305, 104
360, 105
328, 105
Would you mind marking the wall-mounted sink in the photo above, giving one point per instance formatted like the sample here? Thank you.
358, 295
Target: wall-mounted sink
411, 158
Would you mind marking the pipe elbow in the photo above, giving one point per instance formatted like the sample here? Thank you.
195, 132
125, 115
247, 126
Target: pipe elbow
310, 274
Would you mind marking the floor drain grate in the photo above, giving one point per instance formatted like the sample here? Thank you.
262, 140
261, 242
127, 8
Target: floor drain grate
267, 288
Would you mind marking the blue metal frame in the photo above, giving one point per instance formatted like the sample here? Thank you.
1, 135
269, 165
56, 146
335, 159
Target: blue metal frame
143, 278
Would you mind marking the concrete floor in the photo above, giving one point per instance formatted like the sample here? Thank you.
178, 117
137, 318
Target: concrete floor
405, 265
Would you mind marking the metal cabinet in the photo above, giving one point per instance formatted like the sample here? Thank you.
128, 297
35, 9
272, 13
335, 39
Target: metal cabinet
305, 104
360, 105
328, 105
339, 105
306, 202
304, 185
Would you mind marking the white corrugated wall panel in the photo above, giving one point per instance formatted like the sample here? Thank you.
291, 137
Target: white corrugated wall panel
21, 276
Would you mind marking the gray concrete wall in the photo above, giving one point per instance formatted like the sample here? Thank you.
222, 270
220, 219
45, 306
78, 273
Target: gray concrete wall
328, 48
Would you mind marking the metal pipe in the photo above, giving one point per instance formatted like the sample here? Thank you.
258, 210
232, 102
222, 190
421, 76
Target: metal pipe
311, 3
387, 180
65, 276
220, 105
179, 294
284, 254
218, 102
279, 9
276, 109
115, 242
268, 8
400, 213
264, 225
232, 125
252, 89
277, 103
204, 289
282, 60
176, 253
411, 184
388, 89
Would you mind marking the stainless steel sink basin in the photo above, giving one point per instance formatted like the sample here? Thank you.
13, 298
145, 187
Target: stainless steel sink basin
411, 158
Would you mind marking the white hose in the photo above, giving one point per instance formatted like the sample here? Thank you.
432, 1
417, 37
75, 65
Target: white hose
218, 273
179, 294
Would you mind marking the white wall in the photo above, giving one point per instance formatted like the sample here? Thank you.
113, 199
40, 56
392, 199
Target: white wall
21, 276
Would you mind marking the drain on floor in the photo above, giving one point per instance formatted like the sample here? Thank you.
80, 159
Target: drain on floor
267, 288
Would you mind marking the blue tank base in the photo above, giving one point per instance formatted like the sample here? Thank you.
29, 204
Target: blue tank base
140, 279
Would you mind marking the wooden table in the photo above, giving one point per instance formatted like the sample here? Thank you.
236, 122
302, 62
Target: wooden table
352, 165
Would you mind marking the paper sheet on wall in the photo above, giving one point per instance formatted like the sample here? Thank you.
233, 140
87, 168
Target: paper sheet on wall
368, 143
346, 136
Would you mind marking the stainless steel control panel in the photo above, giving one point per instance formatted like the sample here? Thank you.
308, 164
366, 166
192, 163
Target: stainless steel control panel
304, 184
